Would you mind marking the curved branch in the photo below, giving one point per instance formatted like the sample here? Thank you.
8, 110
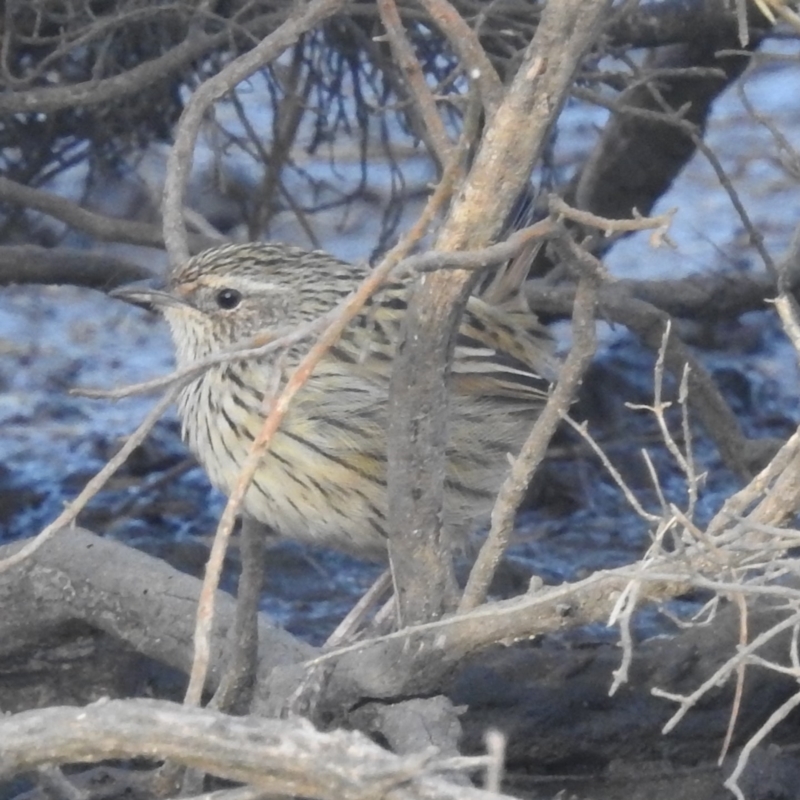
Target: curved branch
109, 229
31, 264
126, 593
181, 156
467, 46
287, 757
431, 126
94, 93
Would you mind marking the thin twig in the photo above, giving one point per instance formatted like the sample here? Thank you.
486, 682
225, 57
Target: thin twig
70, 513
775, 718
496, 753
181, 155
470, 51
582, 430
276, 340
687, 702
740, 673
237, 684
431, 126
659, 223
535, 447
479, 259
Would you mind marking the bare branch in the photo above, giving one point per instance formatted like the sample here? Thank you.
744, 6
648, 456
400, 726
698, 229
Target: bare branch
286, 757
535, 448
477, 66
107, 229
181, 156
418, 398
69, 514
22, 264
131, 596
431, 128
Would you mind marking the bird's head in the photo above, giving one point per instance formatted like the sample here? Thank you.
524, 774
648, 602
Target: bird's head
232, 294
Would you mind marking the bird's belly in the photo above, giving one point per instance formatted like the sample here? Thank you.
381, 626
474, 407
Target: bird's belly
318, 482
323, 479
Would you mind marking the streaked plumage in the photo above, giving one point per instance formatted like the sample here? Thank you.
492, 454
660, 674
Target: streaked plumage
324, 477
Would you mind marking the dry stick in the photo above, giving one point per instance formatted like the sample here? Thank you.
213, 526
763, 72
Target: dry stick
345, 312
622, 613
654, 479
687, 702
470, 52
345, 629
684, 461
626, 605
28, 263
660, 223
691, 130
590, 600
775, 718
535, 447
432, 128
235, 691
500, 169
771, 9
583, 431
285, 128
784, 146
181, 156
786, 309
251, 349
287, 757
98, 225
485, 257
695, 581
571, 374
692, 478
527, 604
740, 673
495, 742
781, 499
720, 560
648, 323
95, 92
69, 514
675, 118
741, 21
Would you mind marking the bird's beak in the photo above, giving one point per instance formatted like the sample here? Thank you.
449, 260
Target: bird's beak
146, 296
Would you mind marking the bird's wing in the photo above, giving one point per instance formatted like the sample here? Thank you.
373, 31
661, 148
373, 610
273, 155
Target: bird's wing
500, 352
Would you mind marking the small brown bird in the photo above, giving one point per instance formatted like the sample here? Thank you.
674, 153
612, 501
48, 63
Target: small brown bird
323, 479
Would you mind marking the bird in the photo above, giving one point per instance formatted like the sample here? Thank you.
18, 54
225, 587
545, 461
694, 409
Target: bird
323, 479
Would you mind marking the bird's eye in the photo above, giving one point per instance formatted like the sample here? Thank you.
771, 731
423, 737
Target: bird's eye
228, 298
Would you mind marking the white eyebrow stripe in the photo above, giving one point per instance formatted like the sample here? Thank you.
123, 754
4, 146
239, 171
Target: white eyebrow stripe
246, 285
